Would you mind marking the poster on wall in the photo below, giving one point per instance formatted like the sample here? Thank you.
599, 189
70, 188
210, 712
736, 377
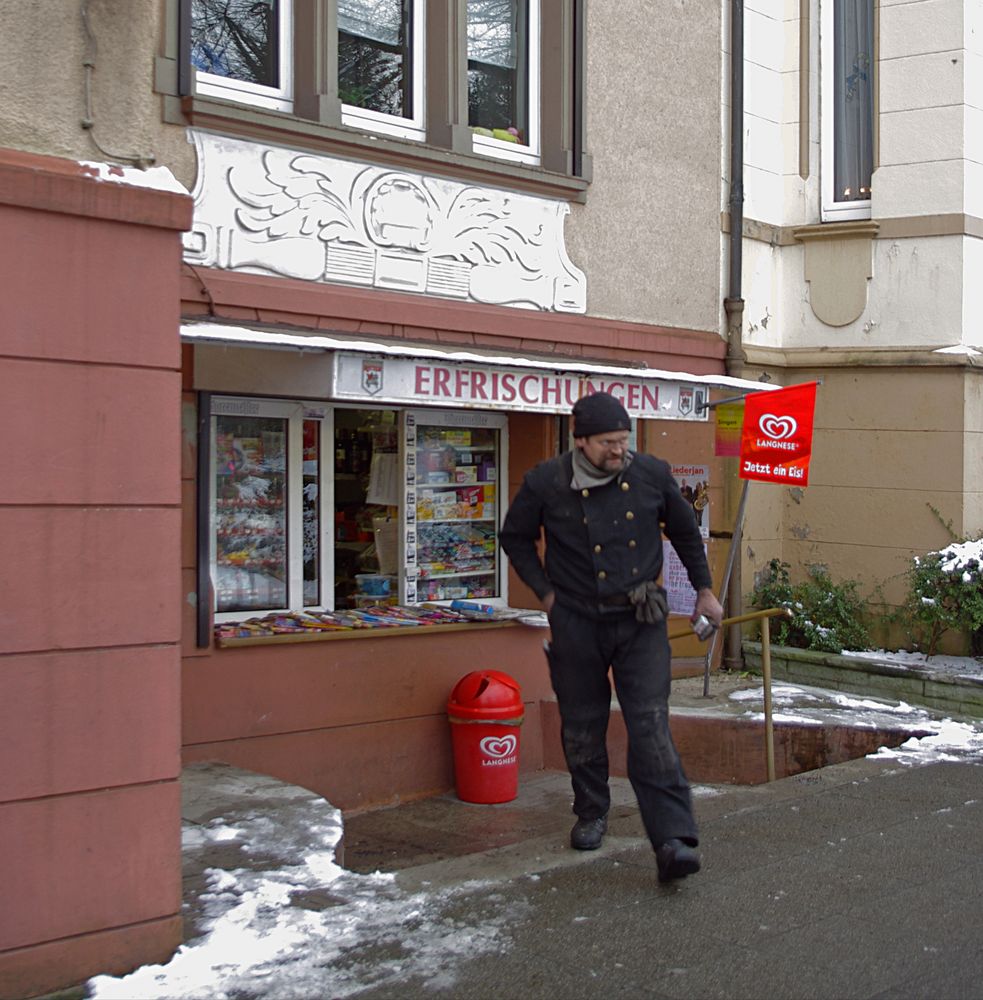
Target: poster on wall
679, 591
694, 484
727, 437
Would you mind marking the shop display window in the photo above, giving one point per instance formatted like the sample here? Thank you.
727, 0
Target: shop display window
366, 507
452, 509
267, 505
327, 508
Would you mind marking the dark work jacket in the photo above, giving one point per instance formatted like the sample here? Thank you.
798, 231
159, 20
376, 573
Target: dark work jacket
604, 540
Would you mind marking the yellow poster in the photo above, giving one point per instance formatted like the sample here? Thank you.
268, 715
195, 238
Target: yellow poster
730, 419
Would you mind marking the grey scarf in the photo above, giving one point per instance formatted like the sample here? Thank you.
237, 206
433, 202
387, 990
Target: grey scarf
587, 475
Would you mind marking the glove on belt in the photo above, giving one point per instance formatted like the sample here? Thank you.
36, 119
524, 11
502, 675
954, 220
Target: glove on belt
649, 601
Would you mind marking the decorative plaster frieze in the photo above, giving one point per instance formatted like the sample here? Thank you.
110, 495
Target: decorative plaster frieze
268, 210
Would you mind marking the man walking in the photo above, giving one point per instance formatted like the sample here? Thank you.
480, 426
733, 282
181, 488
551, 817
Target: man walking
603, 509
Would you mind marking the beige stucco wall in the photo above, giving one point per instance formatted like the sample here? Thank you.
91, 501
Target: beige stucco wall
41, 111
892, 446
648, 236
913, 299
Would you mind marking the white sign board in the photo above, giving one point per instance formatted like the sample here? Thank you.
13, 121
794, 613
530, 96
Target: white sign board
426, 381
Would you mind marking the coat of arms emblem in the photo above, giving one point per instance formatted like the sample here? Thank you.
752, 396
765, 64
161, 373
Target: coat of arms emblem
372, 377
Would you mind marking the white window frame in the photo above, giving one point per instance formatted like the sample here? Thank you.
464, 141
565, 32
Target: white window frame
514, 151
275, 98
413, 127
295, 412
831, 209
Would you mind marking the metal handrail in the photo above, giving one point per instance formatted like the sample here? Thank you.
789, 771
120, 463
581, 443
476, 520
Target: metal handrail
763, 616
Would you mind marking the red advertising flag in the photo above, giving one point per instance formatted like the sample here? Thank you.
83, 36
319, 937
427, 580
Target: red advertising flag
776, 439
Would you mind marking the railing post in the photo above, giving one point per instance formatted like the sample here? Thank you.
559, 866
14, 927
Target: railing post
766, 673
763, 617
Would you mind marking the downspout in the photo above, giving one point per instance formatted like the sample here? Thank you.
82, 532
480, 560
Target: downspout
734, 303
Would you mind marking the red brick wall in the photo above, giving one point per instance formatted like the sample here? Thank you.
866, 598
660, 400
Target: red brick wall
90, 592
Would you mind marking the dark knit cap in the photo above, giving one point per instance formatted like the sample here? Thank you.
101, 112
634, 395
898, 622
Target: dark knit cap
598, 413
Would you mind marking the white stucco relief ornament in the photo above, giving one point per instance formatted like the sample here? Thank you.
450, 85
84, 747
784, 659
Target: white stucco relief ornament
268, 210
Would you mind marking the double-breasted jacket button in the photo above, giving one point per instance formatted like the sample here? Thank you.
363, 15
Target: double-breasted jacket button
602, 575
634, 571
625, 487
585, 520
632, 544
597, 548
585, 493
629, 516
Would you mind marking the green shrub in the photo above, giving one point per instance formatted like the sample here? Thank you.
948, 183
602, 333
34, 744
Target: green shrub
826, 616
945, 593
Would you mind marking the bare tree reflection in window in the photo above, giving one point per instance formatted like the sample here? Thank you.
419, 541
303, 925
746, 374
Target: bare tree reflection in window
374, 55
498, 62
236, 39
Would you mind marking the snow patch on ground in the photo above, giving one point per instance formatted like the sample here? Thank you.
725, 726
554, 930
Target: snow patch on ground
315, 929
948, 739
957, 666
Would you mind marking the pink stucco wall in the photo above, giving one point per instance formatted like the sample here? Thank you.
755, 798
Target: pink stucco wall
90, 588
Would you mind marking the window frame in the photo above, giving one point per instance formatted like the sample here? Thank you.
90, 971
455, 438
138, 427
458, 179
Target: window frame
295, 412
275, 98
831, 209
414, 126
564, 169
528, 152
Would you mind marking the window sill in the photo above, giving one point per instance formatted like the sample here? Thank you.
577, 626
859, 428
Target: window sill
387, 632
843, 230
262, 125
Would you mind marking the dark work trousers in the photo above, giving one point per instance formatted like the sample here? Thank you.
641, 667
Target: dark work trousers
579, 654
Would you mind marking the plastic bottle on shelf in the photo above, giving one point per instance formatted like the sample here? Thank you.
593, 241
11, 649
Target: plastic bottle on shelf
340, 452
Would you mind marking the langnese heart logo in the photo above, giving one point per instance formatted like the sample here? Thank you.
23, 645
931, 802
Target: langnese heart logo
498, 746
777, 428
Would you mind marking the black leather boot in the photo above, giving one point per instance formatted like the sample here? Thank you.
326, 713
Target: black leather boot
587, 834
676, 859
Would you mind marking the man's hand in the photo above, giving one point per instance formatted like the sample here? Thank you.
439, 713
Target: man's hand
707, 604
548, 602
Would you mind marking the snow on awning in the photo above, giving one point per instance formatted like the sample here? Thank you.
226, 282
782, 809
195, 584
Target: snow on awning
425, 375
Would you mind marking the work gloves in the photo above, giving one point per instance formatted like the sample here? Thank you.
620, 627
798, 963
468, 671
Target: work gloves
649, 602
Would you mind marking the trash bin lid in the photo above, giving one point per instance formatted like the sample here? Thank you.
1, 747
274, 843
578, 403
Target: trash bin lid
486, 694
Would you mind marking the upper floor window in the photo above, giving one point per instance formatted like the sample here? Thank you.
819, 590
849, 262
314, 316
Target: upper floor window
503, 77
499, 78
848, 108
380, 65
242, 50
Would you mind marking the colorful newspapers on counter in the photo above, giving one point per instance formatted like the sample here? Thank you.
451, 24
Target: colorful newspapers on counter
390, 616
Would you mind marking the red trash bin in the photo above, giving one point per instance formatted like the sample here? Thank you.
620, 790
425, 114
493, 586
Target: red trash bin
485, 710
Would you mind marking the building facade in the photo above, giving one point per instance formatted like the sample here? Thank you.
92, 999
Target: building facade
298, 290
862, 245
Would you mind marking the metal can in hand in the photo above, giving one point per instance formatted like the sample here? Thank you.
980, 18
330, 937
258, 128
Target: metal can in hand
703, 627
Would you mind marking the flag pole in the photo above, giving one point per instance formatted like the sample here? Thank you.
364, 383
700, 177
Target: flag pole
735, 544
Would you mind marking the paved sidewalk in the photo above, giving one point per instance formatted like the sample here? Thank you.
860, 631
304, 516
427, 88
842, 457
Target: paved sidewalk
863, 880
860, 880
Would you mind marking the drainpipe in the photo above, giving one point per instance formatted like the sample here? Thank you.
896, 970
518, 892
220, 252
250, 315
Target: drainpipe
734, 303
